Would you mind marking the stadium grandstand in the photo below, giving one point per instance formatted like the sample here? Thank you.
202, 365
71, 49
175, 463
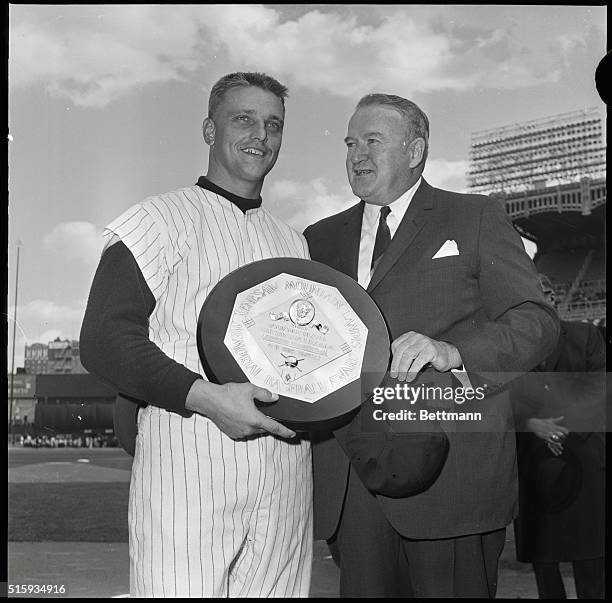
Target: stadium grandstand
550, 176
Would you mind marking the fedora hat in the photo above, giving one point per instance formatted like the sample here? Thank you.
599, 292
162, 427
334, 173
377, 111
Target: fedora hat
392, 463
556, 479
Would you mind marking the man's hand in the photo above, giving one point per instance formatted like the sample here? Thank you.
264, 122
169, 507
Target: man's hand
550, 431
555, 447
412, 351
231, 408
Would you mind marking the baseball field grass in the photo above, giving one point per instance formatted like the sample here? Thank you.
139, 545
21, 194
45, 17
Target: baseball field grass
68, 495
72, 512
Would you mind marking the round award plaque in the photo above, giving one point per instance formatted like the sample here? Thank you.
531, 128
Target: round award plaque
300, 329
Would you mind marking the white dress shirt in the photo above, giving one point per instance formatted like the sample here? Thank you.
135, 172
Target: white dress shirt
369, 226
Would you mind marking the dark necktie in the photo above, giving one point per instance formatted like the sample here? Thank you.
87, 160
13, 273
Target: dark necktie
383, 236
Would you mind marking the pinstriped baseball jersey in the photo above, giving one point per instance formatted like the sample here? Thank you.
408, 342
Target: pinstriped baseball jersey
210, 516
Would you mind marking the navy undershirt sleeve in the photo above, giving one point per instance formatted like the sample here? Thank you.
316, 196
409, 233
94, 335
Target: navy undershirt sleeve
115, 342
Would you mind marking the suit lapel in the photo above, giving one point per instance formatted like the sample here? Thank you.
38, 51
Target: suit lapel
414, 219
349, 237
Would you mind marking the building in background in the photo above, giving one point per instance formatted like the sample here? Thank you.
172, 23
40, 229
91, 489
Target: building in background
35, 359
54, 397
59, 356
64, 357
550, 175
63, 408
24, 398
73, 404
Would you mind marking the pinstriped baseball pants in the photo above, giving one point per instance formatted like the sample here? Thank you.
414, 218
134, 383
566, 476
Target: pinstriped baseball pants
213, 517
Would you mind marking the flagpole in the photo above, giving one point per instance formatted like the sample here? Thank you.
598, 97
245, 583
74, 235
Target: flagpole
12, 402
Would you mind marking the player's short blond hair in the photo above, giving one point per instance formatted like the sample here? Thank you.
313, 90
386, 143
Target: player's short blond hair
242, 79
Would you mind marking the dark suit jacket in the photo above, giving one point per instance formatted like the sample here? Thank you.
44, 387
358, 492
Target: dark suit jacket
570, 384
488, 303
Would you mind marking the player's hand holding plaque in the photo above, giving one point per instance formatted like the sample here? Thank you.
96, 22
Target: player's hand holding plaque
300, 329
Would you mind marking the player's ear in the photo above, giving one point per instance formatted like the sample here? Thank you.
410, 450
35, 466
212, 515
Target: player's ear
208, 131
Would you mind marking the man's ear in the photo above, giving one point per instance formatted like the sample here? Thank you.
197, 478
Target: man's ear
417, 151
208, 131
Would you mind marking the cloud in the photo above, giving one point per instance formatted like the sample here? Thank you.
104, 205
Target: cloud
42, 320
35, 317
332, 52
79, 241
95, 54
450, 175
300, 204
569, 45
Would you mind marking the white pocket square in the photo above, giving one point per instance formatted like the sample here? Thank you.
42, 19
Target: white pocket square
449, 248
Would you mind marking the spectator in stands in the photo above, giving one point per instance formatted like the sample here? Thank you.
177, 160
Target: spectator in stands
560, 416
581, 295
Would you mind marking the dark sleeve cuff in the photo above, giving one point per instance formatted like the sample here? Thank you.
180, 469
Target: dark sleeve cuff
172, 389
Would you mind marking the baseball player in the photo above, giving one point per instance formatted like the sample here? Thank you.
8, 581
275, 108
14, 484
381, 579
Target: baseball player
220, 500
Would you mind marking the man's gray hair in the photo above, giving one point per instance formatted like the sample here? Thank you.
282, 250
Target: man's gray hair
241, 79
416, 121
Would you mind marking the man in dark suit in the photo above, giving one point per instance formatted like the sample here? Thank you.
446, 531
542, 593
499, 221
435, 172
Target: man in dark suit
560, 414
458, 291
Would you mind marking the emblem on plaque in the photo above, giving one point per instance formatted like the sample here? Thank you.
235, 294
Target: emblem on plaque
301, 312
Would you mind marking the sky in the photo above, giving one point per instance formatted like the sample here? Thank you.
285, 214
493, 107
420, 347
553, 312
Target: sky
106, 104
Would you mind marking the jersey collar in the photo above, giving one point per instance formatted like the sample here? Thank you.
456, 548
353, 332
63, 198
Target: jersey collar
242, 203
